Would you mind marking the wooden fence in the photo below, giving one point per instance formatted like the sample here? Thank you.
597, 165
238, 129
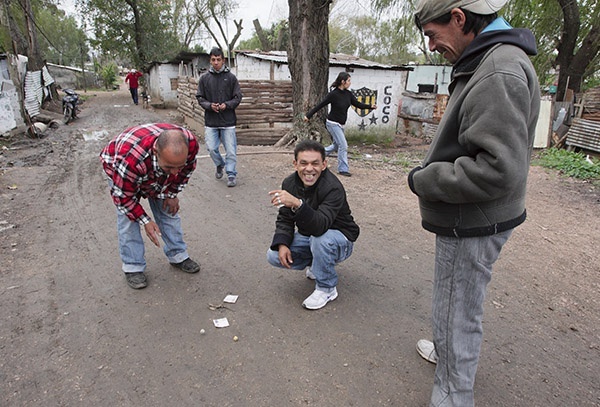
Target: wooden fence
263, 117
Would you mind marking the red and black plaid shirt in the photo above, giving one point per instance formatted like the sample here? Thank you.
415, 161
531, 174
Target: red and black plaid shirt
130, 162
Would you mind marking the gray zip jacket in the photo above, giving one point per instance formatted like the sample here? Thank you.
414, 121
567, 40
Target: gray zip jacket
473, 179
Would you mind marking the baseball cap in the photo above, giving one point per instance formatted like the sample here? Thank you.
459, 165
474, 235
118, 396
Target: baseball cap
428, 10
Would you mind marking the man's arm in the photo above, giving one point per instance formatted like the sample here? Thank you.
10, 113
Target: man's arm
201, 94
236, 95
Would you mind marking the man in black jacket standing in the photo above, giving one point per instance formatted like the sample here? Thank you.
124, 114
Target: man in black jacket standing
219, 94
314, 201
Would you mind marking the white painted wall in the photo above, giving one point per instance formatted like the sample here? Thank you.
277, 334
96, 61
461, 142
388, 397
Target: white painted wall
160, 83
389, 85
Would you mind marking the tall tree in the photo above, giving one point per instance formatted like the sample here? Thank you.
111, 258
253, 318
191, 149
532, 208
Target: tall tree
568, 34
567, 31
138, 29
214, 13
308, 60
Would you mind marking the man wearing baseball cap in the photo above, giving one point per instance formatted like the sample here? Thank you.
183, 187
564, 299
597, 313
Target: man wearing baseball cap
471, 185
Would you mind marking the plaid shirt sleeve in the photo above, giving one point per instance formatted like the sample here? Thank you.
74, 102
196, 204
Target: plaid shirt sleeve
125, 162
128, 161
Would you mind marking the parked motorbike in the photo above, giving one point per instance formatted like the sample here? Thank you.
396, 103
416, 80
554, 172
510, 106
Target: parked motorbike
69, 103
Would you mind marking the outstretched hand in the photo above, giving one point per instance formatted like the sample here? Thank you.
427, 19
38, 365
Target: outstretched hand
153, 232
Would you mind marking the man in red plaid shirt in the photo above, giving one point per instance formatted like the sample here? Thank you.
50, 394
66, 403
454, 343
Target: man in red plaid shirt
153, 161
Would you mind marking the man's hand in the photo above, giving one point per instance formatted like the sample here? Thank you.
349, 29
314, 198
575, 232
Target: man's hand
153, 232
215, 107
285, 256
281, 197
171, 205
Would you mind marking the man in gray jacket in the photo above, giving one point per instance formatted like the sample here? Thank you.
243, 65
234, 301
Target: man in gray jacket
219, 94
472, 182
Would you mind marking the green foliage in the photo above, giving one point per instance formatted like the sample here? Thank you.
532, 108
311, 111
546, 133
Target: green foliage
142, 30
109, 74
386, 40
62, 42
272, 34
571, 164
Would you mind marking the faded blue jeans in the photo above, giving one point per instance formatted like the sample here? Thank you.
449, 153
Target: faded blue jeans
339, 144
213, 137
463, 268
321, 253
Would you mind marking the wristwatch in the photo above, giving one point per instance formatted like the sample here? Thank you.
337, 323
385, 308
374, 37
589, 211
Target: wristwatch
297, 207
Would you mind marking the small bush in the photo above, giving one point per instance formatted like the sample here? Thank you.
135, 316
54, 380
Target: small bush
109, 73
569, 163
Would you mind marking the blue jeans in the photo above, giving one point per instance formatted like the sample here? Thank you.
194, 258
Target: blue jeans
214, 137
463, 268
339, 144
321, 253
134, 94
131, 245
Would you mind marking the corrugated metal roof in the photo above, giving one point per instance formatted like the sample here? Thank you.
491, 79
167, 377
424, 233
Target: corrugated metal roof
334, 60
585, 134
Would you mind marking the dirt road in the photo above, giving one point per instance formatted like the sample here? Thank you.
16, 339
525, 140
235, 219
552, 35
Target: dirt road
73, 333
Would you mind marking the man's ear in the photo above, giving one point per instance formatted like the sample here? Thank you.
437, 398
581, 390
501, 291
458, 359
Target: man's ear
458, 16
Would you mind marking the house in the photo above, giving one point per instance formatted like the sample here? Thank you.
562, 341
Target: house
162, 77
12, 72
370, 81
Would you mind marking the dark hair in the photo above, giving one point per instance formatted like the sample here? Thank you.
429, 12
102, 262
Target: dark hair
473, 22
309, 145
342, 76
216, 52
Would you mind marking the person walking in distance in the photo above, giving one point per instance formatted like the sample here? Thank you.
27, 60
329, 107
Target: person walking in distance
340, 99
219, 94
132, 79
153, 161
472, 182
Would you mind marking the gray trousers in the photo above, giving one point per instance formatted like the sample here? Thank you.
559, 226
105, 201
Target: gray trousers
463, 268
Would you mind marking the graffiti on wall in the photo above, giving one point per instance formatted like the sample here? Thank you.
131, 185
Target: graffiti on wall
369, 96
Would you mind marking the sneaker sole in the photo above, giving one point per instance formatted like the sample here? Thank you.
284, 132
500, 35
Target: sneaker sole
425, 356
328, 301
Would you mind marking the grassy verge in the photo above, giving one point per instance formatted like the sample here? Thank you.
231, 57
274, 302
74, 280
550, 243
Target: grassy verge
569, 163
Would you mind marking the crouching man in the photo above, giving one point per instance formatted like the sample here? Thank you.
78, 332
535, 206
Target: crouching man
313, 201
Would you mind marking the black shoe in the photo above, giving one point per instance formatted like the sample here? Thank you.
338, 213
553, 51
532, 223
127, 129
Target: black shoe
188, 265
219, 172
345, 174
136, 280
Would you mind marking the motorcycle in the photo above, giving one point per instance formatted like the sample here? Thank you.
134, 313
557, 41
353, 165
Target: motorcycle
69, 104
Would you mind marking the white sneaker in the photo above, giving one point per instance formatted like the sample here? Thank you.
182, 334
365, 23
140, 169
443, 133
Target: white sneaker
427, 351
309, 274
318, 299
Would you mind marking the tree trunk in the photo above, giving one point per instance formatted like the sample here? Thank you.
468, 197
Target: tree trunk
34, 61
138, 34
566, 47
264, 42
308, 61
